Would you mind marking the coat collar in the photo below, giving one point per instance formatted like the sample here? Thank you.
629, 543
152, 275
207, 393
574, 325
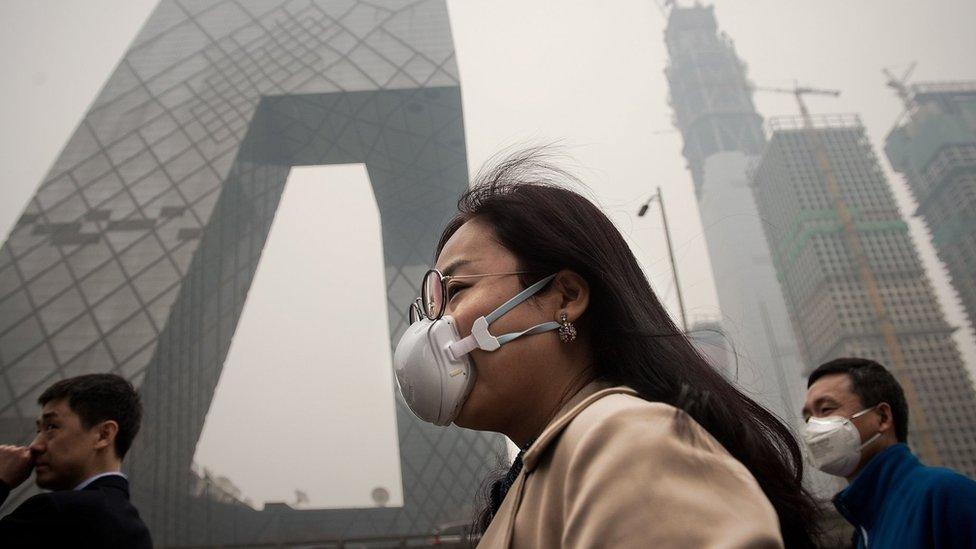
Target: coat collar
862, 500
586, 396
502, 528
115, 482
84, 484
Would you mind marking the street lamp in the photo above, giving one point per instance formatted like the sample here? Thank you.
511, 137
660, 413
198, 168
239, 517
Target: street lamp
667, 236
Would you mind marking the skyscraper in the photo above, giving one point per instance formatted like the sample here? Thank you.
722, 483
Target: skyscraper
853, 279
137, 251
934, 147
722, 133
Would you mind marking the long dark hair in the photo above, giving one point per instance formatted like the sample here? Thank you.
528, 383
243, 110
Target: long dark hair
634, 341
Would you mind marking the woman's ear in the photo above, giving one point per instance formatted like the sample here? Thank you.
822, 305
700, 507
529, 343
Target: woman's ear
572, 294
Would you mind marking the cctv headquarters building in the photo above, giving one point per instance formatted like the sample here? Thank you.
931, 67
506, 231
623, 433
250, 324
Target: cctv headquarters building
137, 250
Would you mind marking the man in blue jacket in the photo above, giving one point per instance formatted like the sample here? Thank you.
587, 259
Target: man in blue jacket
857, 428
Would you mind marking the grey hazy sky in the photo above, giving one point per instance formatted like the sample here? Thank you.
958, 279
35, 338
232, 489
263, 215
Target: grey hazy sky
303, 388
587, 74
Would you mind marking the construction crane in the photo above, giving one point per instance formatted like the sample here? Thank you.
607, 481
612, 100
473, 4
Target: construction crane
900, 85
798, 92
902, 90
866, 275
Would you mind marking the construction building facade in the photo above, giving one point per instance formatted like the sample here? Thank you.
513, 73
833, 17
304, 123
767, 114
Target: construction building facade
853, 280
934, 148
723, 134
137, 251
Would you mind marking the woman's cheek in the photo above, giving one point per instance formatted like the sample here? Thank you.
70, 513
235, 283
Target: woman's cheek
465, 312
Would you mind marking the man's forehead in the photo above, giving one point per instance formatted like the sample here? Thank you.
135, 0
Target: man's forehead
837, 386
56, 408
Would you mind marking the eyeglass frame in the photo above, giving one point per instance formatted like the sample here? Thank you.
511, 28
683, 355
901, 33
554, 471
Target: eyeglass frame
416, 309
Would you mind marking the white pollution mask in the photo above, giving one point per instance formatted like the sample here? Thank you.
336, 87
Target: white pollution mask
431, 362
835, 444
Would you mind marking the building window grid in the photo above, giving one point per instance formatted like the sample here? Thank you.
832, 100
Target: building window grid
892, 251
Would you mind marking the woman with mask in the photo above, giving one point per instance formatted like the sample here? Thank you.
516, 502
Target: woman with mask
538, 323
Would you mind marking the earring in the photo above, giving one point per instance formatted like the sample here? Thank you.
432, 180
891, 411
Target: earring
567, 332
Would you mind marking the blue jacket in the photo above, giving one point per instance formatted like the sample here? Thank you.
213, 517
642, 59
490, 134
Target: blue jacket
896, 501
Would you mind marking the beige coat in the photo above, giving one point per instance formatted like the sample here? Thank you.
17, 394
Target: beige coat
612, 471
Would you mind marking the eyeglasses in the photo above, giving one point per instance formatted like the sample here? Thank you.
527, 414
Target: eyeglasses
435, 293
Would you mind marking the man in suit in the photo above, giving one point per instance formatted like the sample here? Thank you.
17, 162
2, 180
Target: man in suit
86, 426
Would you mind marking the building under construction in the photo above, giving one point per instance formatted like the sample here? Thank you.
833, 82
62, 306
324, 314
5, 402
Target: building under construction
713, 109
853, 280
934, 147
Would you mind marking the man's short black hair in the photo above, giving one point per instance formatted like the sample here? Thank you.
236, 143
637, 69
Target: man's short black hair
101, 397
873, 384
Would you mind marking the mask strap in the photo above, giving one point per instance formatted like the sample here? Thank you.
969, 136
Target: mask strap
519, 298
870, 440
862, 412
876, 435
481, 338
544, 327
462, 347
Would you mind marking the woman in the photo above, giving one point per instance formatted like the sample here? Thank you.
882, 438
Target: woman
538, 323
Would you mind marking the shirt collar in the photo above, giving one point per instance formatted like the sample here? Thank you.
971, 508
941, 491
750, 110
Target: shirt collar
861, 501
92, 479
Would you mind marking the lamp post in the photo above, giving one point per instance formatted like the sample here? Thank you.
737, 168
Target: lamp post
667, 236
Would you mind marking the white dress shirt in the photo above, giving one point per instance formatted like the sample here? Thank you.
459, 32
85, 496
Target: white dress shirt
90, 480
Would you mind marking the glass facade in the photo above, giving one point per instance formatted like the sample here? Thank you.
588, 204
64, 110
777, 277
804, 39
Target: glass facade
137, 251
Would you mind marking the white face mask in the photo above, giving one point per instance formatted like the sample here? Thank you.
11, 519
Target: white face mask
431, 362
835, 444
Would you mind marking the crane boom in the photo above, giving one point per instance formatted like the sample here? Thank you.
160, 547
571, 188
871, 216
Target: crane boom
798, 92
900, 85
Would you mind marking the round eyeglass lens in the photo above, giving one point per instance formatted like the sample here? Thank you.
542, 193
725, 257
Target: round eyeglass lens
432, 295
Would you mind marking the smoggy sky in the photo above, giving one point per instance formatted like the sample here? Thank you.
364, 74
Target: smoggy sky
576, 72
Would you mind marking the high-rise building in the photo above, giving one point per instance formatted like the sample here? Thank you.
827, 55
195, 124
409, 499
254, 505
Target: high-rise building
136, 253
853, 280
709, 91
722, 132
934, 147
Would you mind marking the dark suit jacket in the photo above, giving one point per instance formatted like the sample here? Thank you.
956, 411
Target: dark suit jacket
100, 515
